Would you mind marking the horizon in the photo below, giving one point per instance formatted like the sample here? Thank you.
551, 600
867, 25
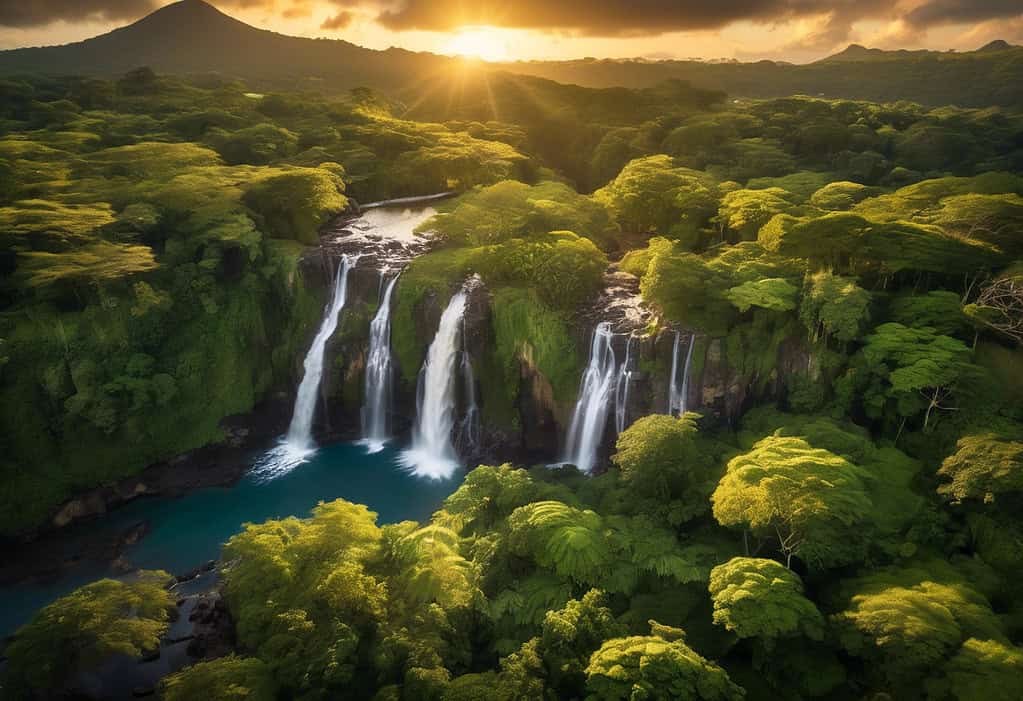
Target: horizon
514, 35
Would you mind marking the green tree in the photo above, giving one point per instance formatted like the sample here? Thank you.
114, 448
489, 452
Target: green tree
841, 196
809, 500
758, 598
908, 622
743, 212
224, 678
294, 205
850, 243
658, 667
513, 210
940, 310
834, 307
570, 635
774, 293
667, 466
76, 633
653, 196
984, 466
915, 368
986, 669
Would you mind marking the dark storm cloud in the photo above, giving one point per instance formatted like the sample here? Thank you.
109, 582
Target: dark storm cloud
938, 12
28, 13
610, 17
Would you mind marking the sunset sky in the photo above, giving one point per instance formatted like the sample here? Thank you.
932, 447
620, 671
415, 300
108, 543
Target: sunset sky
793, 30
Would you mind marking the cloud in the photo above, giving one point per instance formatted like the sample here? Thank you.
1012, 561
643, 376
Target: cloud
29, 13
612, 17
338, 21
938, 12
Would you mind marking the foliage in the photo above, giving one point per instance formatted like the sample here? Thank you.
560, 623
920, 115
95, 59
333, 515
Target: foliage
834, 306
984, 466
915, 369
658, 666
296, 204
667, 466
514, 210
807, 498
760, 598
849, 243
743, 212
79, 631
223, 678
653, 196
911, 621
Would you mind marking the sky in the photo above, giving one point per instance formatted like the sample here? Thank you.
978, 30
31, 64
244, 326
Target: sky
790, 30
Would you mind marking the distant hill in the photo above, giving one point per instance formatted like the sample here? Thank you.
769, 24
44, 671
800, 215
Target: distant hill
191, 37
990, 76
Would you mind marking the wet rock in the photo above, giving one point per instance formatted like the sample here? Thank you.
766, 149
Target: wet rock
91, 504
136, 533
149, 655
121, 566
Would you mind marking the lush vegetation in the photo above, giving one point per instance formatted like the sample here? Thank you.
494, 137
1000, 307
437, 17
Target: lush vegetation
845, 528
150, 232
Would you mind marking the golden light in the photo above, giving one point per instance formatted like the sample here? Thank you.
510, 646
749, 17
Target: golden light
483, 44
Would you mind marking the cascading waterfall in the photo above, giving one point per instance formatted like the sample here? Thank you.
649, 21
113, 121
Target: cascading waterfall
589, 419
469, 429
622, 386
432, 453
298, 443
379, 374
679, 389
300, 432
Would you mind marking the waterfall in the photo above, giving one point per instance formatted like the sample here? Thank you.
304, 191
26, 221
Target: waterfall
589, 419
300, 432
622, 385
679, 390
379, 374
432, 454
469, 429
685, 375
298, 444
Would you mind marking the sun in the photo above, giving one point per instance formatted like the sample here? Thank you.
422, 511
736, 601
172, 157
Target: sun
483, 44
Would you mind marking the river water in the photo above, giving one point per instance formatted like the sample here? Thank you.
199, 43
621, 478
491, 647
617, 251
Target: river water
188, 531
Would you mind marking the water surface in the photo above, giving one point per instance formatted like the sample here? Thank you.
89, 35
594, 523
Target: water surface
187, 531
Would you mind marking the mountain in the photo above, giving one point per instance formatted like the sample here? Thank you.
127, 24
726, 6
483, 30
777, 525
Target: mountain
996, 45
991, 76
191, 36
856, 53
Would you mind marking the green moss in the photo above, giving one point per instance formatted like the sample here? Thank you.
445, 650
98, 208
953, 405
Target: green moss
436, 273
525, 327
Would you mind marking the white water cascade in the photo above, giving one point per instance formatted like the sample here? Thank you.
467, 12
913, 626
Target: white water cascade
589, 419
300, 432
469, 430
622, 385
379, 375
298, 444
679, 388
432, 453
